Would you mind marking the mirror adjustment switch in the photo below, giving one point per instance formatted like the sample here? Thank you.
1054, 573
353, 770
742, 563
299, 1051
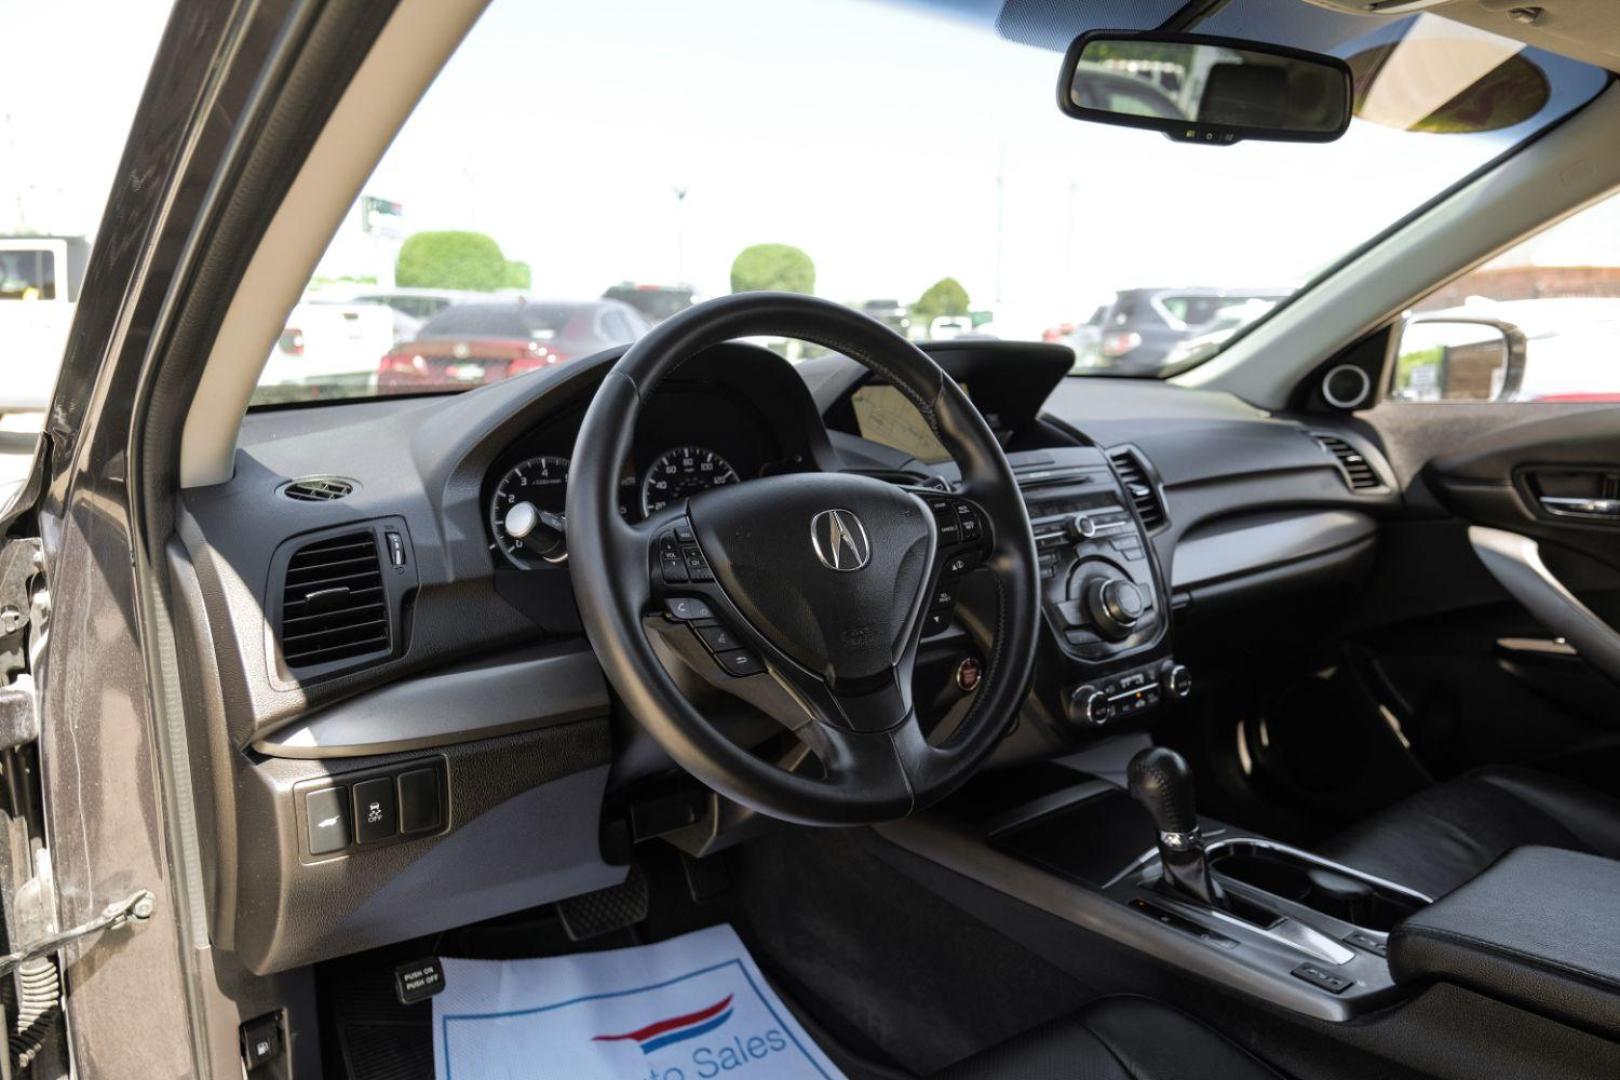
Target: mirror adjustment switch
376, 810
326, 820
419, 800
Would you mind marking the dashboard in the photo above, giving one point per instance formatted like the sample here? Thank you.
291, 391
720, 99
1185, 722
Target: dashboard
437, 631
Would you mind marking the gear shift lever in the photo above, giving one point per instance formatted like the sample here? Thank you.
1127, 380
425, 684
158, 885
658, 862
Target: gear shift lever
1160, 780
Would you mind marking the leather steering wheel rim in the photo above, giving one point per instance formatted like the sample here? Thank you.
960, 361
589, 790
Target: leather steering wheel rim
874, 773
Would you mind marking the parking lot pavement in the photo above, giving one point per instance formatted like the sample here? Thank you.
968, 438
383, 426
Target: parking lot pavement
18, 434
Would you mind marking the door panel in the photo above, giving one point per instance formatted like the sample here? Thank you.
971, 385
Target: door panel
1475, 589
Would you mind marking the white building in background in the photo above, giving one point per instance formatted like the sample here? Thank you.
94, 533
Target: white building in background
367, 243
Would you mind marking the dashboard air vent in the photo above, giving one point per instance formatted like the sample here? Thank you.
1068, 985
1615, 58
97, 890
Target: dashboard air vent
1133, 475
333, 604
318, 488
1358, 471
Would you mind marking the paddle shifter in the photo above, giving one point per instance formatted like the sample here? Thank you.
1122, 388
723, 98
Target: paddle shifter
1160, 780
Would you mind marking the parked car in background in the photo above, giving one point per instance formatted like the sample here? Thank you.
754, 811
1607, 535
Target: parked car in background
1213, 336
891, 313
411, 306
655, 302
473, 344
1084, 338
328, 349
1142, 326
39, 290
949, 327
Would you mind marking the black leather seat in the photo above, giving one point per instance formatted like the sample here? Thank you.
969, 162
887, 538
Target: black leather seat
1438, 839
1118, 1038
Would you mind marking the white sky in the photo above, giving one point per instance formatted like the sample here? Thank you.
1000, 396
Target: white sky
874, 137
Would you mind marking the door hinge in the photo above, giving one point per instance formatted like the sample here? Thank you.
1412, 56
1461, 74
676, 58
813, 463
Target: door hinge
134, 908
22, 601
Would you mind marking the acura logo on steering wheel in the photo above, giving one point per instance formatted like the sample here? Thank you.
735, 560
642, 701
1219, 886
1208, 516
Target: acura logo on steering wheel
840, 540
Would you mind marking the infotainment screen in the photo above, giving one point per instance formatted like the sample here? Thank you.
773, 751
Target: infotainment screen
887, 416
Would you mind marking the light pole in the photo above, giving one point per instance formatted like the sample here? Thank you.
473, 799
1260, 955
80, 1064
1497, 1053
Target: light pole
680, 235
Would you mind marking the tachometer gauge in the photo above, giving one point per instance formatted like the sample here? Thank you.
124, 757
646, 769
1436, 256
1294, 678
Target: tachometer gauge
682, 472
526, 512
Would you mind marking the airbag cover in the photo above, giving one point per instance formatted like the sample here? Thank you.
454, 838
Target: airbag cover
848, 624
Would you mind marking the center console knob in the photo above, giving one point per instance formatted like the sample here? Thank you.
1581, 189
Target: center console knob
1115, 605
1089, 705
1176, 680
1084, 527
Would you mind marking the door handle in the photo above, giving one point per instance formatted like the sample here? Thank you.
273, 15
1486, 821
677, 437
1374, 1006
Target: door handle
1515, 561
1574, 506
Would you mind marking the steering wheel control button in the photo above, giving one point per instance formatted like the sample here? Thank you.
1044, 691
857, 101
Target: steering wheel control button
326, 817
687, 609
670, 561
717, 638
936, 622
740, 662
376, 810
944, 595
697, 567
419, 801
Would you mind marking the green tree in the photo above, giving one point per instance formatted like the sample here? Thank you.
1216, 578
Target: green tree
517, 275
776, 267
451, 260
944, 297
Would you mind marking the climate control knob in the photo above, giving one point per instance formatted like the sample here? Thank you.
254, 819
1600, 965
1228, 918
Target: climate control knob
1089, 705
1176, 680
1115, 606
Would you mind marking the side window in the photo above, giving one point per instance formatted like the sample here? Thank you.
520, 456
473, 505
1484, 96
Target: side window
1538, 323
27, 274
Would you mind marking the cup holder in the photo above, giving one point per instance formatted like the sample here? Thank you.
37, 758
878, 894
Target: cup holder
1333, 890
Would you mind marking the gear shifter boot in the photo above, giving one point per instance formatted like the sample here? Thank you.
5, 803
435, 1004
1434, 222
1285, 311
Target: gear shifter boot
1160, 780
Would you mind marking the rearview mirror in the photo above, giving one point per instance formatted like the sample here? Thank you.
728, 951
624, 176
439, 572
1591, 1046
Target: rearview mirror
1197, 88
1449, 358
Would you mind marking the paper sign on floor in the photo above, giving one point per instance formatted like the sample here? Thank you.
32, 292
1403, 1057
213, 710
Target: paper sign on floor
692, 1008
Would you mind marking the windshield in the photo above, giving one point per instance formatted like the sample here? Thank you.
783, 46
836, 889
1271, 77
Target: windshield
906, 159
74, 71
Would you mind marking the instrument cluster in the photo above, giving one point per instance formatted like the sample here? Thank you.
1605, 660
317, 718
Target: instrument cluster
687, 442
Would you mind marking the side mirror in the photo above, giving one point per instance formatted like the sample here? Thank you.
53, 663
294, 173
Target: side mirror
1453, 358
1198, 88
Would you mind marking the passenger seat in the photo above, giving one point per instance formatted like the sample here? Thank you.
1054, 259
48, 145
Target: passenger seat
1116, 1038
1438, 839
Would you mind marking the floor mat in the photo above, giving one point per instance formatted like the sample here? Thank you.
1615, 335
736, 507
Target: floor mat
695, 1006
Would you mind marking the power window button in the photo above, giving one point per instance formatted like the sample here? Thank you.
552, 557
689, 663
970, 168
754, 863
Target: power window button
376, 811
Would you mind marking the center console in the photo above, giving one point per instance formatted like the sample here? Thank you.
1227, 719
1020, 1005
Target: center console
1103, 595
1139, 866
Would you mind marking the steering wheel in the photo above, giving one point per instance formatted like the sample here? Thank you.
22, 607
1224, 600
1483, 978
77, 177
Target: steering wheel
823, 578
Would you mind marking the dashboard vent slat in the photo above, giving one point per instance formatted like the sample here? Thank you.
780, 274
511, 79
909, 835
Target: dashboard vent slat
318, 488
333, 604
1133, 476
1357, 471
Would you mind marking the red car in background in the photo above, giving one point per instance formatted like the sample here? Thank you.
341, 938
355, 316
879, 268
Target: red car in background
472, 344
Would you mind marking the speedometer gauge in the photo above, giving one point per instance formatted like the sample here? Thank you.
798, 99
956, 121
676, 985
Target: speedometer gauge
525, 514
682, 472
